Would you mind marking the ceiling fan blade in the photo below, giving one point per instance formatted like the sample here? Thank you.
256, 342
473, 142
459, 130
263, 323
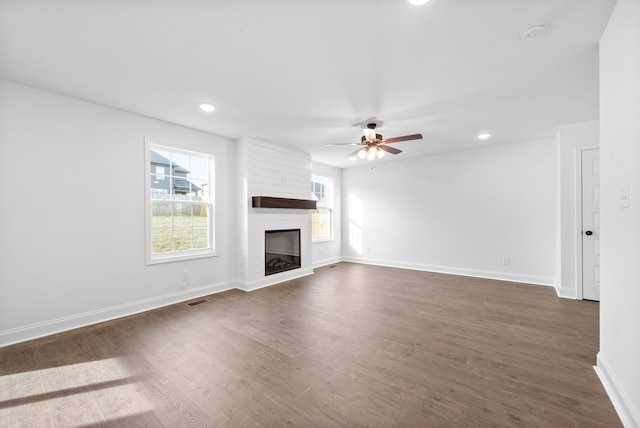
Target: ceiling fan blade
344, 144
369, 134
405, 138
353, 154
389, 149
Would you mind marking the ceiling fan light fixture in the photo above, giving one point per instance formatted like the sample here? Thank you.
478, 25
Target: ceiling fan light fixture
373, 146
417, 2
369, 134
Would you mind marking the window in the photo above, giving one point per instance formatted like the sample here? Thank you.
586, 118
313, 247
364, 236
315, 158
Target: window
159, 173
322, 216
179, 204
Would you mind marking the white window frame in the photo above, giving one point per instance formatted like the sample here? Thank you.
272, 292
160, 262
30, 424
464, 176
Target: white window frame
328, 181
172, 256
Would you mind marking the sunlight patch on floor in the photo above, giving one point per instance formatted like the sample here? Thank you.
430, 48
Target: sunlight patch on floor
71, 395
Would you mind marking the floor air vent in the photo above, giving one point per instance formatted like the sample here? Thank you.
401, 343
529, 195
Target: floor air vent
197, 302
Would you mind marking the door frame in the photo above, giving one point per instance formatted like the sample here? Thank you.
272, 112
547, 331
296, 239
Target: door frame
578, 211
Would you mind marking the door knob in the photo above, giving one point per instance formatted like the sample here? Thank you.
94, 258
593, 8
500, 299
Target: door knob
588, 233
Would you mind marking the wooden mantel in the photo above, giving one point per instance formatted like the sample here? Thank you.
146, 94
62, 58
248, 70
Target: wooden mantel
270, 202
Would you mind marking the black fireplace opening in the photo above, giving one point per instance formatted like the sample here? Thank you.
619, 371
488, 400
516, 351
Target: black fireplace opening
281, 250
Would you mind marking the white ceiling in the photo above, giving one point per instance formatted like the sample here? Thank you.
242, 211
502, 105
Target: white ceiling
304, 73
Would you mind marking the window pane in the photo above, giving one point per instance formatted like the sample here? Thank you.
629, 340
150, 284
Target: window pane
160, 194
159, 188
321, 191
200, 237
161, 240
161, 215
160, 161
182, 215
160, 173
199, 189
180, 164
200, 216
199, 168
321, 223
322, 217
160, 156
182, 239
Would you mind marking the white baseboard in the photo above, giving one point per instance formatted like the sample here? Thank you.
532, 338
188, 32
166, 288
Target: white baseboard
325, 262
59, 325
273, 279
629, 416
500, 276
34, 331
566, 293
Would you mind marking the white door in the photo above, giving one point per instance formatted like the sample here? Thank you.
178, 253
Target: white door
591, 224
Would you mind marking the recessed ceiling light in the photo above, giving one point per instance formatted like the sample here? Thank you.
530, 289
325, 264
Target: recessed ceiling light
484, 136
533, 31
208, 107
417, 2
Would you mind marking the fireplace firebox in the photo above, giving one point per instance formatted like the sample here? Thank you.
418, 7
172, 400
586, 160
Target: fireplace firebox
281, 250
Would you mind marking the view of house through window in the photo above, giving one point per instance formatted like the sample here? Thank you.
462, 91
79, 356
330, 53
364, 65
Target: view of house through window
179, 206
322, 216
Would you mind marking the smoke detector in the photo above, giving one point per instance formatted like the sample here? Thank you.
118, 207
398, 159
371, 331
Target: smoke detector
533, 31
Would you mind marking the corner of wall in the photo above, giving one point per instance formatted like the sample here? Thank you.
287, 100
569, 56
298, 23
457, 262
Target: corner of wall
621, 402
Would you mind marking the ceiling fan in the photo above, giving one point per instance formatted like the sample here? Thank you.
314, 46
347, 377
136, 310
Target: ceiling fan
374, 146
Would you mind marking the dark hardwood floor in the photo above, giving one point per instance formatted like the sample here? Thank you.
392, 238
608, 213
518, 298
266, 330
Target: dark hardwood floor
352, 345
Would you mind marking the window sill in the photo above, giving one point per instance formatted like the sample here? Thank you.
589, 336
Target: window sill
178, 257
319, 240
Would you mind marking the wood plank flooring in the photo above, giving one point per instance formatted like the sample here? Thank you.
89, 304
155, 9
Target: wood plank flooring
351, 346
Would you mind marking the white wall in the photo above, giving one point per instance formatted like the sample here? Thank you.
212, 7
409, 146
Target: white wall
459, 213
619, 357
72, 220
571, 140
327, 252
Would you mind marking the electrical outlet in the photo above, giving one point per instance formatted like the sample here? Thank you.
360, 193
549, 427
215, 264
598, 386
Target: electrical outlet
624, 196
506, 261
185, 275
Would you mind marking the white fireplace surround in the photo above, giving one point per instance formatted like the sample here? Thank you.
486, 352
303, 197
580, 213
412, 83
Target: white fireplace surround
268, 170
